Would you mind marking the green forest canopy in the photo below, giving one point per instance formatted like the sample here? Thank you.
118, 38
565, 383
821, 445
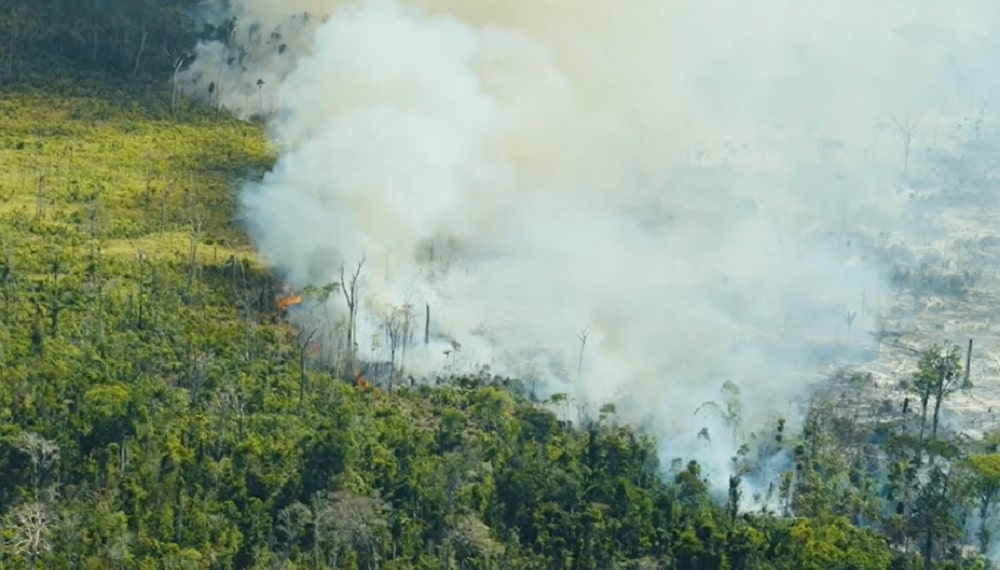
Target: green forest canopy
154, 412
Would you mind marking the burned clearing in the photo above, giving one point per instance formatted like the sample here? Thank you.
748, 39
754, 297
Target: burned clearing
944, 267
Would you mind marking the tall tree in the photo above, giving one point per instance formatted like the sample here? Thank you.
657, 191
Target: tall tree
939, 374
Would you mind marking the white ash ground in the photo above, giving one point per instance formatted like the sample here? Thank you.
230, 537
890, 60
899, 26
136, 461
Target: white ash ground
948, 290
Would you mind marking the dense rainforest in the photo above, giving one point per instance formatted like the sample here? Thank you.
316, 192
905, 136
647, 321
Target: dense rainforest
156, 412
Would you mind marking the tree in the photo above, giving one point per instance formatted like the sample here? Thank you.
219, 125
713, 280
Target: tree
907, 129
933, 522
732, 413
31, 526
473, 545
343, 519
349, 288
397, 322
939, 374
194, 440
179, 62
43, 455
985, 471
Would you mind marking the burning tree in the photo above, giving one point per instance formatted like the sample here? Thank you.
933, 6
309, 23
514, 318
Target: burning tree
349, 286
285, 302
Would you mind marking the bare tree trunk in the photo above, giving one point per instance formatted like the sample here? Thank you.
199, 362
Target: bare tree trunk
139, 52
968, 365
582, 337
13, 42
939, 397
907, 129
218, 84
178, 63
350, 291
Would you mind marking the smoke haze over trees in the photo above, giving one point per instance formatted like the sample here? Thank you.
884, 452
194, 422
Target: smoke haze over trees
683, 180
661, 221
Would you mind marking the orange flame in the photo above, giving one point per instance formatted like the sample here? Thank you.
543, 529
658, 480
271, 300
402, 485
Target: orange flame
359, 380
286, 302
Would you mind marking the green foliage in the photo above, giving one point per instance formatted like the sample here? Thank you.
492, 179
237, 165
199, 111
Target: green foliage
939, 374
155, 411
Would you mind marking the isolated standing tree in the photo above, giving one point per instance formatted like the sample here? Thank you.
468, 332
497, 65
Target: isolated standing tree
939, 374
17, 20
732, 414
349, 287
143, 36
582, 337
43, 455
849, 319
907, 129
178, 64
398, 325
30, 529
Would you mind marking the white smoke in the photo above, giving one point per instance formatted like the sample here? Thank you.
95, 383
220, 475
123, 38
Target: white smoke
682, 178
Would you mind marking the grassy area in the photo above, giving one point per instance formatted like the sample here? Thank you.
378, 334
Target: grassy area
109, 170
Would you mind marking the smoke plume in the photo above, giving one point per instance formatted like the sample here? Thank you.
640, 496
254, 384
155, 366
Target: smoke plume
689, 182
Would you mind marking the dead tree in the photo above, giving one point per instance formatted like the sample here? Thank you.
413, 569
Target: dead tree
849, 319
349, 287
907, 128
32, 528
17, 15
966, 382
427, 323
582, 407
582, 337
43, 454
397, 323
178, 64
142, 49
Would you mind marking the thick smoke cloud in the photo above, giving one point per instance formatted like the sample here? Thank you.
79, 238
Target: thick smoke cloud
689, 180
